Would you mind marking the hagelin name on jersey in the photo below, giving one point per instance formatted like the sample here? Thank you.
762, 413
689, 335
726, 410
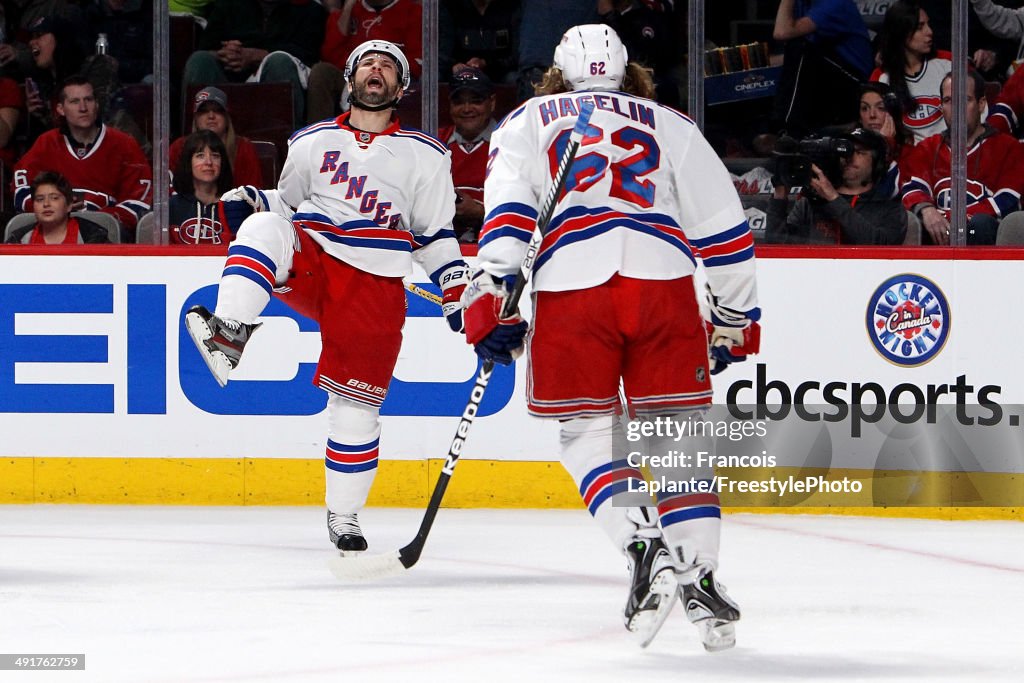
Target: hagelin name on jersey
861, 402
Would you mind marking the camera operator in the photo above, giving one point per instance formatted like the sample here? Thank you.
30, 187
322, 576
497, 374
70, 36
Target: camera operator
852, 213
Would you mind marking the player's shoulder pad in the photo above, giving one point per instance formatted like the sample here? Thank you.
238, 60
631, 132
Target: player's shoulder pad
311, 129
417, 135
674, 113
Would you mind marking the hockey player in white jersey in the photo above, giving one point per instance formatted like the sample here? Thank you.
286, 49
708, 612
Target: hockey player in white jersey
614, 300
359, 198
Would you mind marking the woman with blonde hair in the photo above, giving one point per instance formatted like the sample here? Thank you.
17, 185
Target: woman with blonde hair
211, 113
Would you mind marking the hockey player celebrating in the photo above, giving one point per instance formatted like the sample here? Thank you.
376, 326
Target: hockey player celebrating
614, 301
359, 198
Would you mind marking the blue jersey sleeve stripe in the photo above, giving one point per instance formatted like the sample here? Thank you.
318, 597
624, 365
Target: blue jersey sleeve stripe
721, 237
518, 208
730, 259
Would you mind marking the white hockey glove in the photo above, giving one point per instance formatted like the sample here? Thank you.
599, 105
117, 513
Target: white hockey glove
452, 279
497, 339
732, 336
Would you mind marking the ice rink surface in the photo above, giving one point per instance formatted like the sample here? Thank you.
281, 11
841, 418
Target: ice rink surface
244, 594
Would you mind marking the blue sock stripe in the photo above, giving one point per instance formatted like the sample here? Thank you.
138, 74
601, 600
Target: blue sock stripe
603, 469
353, 448
350, 469
249, 275
242, 250
702, 512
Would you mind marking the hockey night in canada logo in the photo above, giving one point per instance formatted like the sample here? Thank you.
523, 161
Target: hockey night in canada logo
908, 320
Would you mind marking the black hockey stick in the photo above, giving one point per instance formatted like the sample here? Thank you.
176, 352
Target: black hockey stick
375, 566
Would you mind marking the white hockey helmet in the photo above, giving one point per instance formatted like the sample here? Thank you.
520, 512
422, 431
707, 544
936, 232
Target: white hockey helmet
592, 57
383, 47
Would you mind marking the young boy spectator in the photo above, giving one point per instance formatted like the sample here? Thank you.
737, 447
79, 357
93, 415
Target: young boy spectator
472, 102
107, 167
52, 199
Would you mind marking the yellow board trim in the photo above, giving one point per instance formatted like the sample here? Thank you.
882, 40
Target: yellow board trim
477, 484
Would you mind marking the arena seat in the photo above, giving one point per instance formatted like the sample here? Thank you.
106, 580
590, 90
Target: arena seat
144, 230
267, 153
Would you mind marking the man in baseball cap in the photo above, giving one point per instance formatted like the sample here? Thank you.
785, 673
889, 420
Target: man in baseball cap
471, 100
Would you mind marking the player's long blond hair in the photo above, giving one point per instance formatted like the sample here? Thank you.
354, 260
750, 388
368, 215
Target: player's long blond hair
639, 81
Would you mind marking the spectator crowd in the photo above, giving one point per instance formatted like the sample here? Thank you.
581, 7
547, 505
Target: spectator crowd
75, 103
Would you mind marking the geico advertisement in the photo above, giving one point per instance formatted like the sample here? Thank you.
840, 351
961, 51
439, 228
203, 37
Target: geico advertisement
95, 361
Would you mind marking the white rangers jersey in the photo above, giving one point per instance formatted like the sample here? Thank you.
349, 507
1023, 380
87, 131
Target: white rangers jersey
373, 200
646, 197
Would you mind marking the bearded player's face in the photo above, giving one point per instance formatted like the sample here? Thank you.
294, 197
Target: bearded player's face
376, 79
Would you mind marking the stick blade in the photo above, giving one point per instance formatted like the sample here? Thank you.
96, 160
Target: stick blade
366, 567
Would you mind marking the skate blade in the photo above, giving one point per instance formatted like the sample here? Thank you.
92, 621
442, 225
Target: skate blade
350, 553
215, 359
717, 635
646, 623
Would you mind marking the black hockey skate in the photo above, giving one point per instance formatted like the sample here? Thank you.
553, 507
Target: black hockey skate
711, 610
220, 342
652, 589
345, 533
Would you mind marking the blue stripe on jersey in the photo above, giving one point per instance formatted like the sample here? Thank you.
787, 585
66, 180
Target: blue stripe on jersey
729, 259
368, 242
320, 218
497, 233
512, 114
424, 240
617, 221
420, 136
326, 124
524, 210
721, 237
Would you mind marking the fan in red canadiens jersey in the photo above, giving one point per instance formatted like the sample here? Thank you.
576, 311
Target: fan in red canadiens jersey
995, 174
105, 166
472, 102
